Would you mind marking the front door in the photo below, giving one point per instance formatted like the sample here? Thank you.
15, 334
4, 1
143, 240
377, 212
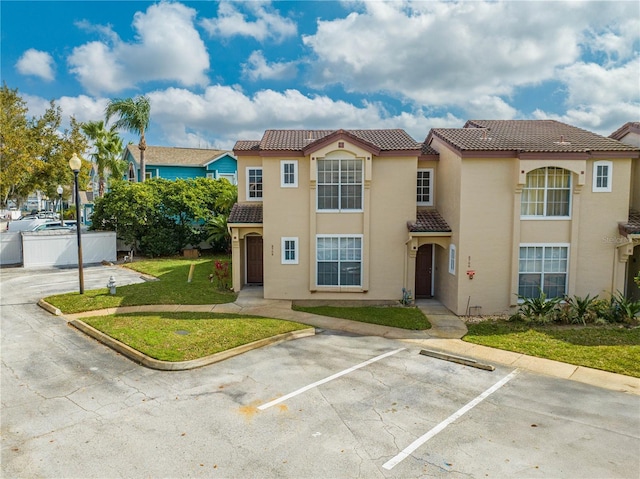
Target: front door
254, 259
424, 269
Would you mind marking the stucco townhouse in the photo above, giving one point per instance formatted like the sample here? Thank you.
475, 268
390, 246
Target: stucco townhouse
472, 216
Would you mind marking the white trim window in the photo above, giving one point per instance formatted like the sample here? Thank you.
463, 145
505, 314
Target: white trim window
210, 175
254, 183
602, 172
547, 193
339, 260
230, 177
452, 259
340, 184
289, 249
543, 268
289, 173
425, 187
149, 174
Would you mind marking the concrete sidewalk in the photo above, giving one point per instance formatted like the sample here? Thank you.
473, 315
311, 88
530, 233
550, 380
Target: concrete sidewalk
444, 336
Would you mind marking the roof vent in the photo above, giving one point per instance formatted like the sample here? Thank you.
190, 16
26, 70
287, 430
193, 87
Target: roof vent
485, 134
562, 141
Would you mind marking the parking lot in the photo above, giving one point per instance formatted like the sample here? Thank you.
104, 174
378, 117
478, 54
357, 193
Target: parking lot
330, 406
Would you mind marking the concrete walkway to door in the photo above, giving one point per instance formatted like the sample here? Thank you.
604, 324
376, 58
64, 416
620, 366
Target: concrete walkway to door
444, 324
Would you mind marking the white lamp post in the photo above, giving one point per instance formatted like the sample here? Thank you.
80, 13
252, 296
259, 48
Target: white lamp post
59, 190
75, 163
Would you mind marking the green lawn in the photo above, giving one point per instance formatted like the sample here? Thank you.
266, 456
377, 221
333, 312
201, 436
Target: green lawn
185, 336
399, 317
171, 288
610, 348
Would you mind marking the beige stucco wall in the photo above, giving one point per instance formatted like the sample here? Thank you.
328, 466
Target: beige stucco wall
486, 234
598, 270
448, 187
388, 203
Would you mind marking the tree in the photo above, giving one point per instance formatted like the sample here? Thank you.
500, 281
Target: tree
107, 147
34, 152
17, 158
161, 217
134, 115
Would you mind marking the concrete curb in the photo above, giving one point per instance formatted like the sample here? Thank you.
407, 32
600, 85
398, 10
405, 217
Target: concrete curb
49, 308
160, 365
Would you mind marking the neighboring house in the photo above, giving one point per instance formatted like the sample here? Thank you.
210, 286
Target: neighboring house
474, 216
174, 163
629, 133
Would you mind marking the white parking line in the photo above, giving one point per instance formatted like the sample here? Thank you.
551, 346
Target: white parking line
327, 379
394, 461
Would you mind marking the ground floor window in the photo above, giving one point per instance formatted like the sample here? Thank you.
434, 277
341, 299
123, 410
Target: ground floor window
289, 248
339, 260
543, 268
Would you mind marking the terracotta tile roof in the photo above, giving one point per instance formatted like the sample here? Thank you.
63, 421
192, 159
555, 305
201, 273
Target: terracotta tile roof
170, 155
245, 213
526, 136
427, 150
631, 227
429, 221
296, 140
628, 127
246, 145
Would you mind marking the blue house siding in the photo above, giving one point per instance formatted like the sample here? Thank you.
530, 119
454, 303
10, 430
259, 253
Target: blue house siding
173, 163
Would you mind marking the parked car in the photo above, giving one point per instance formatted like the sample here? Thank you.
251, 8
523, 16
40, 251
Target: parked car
55, 225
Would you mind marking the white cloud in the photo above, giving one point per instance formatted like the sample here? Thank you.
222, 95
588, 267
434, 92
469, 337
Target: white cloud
464, 54
590, 83
36, 63
222, 115
257, 68
268, 23
601, 119
164, 33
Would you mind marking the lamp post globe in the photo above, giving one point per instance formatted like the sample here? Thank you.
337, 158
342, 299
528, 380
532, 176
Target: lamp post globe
75, 163
59, 190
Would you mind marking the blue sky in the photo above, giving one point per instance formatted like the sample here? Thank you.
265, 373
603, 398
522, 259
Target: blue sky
217, 72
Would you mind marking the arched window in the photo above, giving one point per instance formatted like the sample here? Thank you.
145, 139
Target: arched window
547, 193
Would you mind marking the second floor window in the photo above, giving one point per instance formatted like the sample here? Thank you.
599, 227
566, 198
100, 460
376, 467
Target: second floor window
547, 193
339, 184
424, 186
602, 176
288, 174
254, 184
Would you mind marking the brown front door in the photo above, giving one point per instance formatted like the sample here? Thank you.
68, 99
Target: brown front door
424, 269
254, 259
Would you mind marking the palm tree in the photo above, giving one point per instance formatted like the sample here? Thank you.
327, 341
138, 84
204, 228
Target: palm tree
134, 116
107, 149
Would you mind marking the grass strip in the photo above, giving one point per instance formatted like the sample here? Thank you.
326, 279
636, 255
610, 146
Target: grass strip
187, 336
398, 317
171, 288
609, 348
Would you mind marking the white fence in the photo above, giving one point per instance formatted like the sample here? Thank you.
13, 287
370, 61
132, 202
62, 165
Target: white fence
57, 248
11, 248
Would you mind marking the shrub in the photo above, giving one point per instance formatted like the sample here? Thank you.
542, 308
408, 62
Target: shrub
540, 310
624, 309
223, 274
580, 309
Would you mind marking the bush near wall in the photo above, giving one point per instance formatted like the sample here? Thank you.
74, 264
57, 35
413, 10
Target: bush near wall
161, 217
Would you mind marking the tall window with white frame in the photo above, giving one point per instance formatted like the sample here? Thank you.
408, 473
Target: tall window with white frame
339, 260
452, 259
289, 248
289, 173
339, 184
424, 187
543, 268
602, 176
547, 194
254, 184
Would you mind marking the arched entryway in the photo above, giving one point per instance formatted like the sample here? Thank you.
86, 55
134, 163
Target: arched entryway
424, 272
